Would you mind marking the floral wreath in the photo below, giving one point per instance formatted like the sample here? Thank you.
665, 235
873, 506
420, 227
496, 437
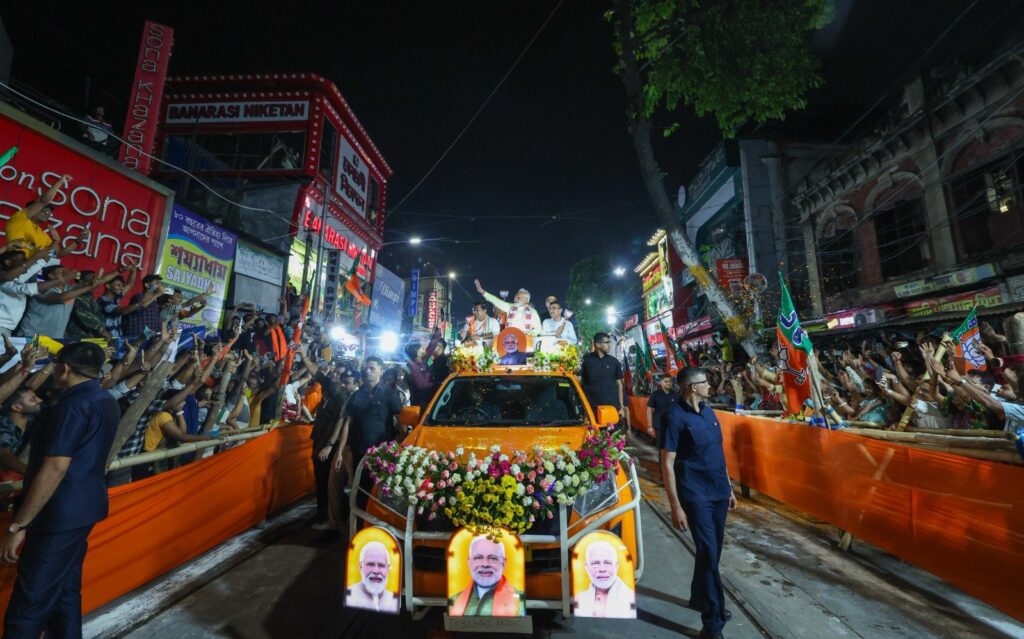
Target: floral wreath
496, 490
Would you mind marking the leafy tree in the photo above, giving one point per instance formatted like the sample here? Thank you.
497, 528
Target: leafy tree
588, 279
739, 60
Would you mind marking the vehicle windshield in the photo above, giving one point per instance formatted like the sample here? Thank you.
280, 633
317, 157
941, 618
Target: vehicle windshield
508, 401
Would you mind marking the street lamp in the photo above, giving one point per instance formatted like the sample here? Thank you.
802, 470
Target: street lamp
587, 301
415, 240
611, 310
451, 275
619, 271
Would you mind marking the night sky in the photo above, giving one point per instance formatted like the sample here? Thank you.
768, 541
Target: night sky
546, 175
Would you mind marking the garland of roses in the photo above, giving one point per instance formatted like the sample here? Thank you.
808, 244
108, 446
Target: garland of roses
565, 360
467, 359
496, 490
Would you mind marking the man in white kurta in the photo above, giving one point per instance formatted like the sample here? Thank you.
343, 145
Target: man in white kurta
481, 327
558, 326
519, 314
607, 596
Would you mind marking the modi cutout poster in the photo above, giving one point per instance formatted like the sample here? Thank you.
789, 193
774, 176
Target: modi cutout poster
603, 582
198, 254
486, 575
374, 572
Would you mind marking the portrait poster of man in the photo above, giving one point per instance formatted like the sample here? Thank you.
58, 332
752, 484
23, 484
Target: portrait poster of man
511, 345
603, 583
486, 576
374, 572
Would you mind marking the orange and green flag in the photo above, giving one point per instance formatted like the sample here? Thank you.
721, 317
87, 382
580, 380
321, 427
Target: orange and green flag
353, 285
968, 338
794, 350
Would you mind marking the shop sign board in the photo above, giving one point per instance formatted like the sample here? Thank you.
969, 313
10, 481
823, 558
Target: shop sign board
147, 93
964, 302
630, 322
1015, 285
237, 111
700, 325
414, 292
948, 280
196, 255
353, 177
432, 310
125, 216
258, 264
386, 306
731, 273
652, 277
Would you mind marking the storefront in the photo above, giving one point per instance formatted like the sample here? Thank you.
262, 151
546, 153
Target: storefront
127, 214
258, 276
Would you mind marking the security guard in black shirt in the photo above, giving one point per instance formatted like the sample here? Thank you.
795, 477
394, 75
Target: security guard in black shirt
699, 492
602, 375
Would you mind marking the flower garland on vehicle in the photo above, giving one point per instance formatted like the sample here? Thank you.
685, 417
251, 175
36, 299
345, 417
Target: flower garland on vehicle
565, 360
497, 490
474, 359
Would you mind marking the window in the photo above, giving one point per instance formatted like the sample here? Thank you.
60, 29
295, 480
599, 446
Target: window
508, 401
986, 208
372, 197
901, 239
837, 260
229, 152
328, 149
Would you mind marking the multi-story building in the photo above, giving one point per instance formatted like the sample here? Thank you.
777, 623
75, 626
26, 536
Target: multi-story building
925, 214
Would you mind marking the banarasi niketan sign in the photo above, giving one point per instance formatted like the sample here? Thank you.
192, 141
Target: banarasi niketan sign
147, 92
198, 253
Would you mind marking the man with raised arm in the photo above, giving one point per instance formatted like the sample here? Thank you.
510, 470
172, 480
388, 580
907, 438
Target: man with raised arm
519, 313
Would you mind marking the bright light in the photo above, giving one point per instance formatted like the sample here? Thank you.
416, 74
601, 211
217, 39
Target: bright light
414, 240
587, 301
337, 333
611, 320
611, 310
619, 271
451, 275
388, 342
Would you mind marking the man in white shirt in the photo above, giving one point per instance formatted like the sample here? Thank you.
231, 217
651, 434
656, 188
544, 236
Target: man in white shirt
520, 314
482, 327
557, 326
15, 293
607, 596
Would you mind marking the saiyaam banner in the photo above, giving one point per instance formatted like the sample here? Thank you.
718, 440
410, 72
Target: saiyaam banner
386, 307
198, 253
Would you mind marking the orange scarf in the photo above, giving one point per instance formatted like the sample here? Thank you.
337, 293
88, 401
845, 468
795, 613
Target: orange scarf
506, 601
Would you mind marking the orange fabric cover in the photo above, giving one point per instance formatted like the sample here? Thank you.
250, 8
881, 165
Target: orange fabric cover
163, 521
959, 518
637, 407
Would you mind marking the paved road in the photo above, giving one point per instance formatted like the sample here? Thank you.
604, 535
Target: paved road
784, 574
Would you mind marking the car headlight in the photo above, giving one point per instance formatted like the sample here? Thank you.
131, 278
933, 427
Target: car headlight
600, 496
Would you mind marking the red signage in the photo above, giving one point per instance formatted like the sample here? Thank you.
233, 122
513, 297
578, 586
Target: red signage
147, 93
125, 215
731, 272
630, 322
432, 310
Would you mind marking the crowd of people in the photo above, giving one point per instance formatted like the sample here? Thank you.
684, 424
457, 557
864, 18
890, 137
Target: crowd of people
872, 379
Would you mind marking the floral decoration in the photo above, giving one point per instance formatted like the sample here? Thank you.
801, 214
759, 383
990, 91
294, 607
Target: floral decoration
474, 359
496, 490
566, 359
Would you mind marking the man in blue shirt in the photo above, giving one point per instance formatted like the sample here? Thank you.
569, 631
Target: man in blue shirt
699, 492
65, 494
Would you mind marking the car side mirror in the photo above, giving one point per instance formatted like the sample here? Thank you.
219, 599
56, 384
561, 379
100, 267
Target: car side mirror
607, 416
409, 416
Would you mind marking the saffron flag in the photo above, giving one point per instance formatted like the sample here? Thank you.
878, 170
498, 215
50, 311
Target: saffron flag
794, 350
968, 337
672, 364
353, 286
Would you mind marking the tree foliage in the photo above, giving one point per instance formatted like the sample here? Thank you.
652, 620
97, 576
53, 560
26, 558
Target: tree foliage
589, 279
738, 60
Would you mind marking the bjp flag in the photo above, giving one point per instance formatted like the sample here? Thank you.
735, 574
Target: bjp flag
794, 350
968, 337
353, 286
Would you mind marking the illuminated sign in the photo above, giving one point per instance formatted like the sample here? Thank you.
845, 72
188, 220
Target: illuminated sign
242, 111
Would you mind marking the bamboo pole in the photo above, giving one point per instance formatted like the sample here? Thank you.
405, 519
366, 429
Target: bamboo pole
956, 432
943, 441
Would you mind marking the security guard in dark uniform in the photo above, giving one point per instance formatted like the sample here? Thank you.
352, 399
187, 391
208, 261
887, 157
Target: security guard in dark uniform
699, 493
65, 494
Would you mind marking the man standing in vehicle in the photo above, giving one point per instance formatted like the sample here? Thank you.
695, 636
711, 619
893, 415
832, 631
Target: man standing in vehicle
65, 494
602, 375
699, 492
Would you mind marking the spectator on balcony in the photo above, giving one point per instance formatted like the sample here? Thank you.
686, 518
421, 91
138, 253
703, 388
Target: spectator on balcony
110, 302
27, 230
48, 313
64, 496
87, 319
98, 134
141, 312
14, 294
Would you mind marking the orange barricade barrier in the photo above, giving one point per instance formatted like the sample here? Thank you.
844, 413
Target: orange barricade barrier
163, 521
961, 519
638, 412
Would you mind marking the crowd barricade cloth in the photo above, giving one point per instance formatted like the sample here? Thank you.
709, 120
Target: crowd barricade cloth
161, 522
959, 518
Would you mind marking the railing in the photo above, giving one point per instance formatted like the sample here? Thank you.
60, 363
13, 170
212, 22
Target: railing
242, 435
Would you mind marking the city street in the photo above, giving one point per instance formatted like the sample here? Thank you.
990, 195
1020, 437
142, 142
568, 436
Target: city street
784, 577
